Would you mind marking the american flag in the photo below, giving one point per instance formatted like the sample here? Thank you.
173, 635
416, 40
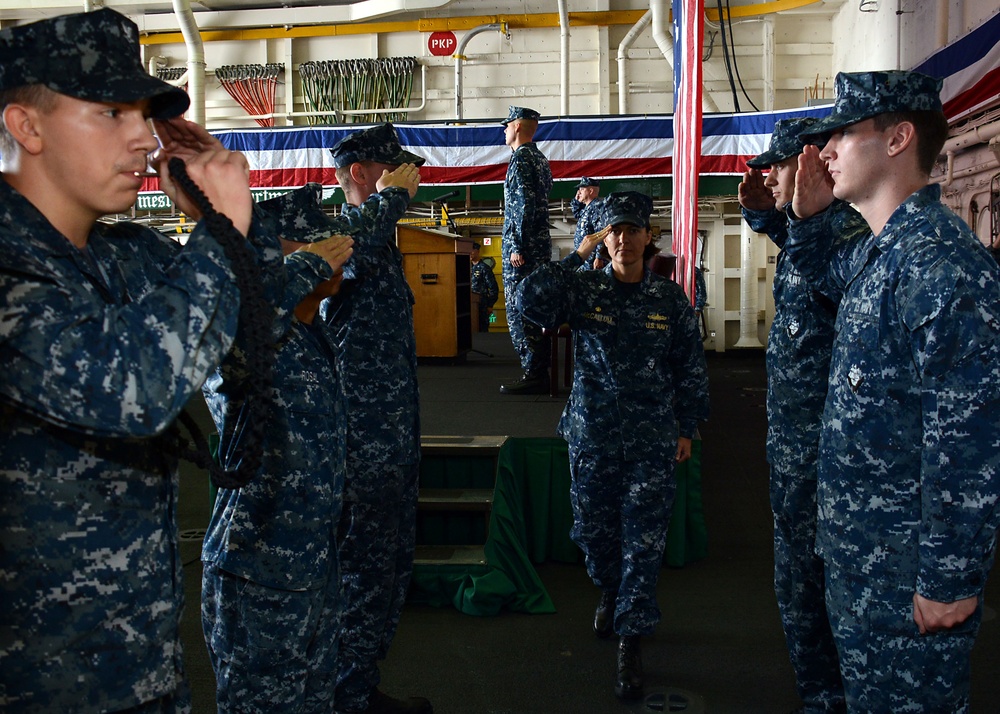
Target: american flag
689, 25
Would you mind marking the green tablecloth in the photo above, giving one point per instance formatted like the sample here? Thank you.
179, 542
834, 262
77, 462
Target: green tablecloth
530, 523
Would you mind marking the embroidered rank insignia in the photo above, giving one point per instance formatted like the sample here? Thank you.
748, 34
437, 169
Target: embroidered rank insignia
855, 378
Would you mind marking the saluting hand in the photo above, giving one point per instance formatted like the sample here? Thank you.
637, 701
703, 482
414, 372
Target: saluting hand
405, 176
813, 184
222, 175
753, 194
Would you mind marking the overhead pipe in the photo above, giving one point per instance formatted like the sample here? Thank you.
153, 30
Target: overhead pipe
985, 134
563, 59
460, 57
180, 81
195, 60
630, 37
989, 165
949, 173
340, 13
899, 34
767, 61
660, 19
942, 22
289, 67
979, 135
155, 63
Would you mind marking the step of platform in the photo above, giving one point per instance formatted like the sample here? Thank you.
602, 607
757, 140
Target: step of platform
455, 499
463, 555
431, 445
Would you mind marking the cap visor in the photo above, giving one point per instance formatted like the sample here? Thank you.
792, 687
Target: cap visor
169, 104
766, 159
822, 129
165, 100
408, 157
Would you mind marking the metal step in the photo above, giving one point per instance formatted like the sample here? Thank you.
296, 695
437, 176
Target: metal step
431, 445
463, 555
455, 499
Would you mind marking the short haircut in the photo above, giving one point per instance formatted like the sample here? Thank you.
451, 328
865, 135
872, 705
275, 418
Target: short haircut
932, 132
32, 95
530, 125
343, 175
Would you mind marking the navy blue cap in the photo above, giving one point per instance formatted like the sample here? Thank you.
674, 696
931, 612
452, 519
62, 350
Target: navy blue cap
520, 113
301, 217
785, 142
93, 56
379, 144
587, 182
629, 207
862, 95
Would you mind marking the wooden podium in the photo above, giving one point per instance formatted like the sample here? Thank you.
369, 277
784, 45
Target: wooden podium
438, 268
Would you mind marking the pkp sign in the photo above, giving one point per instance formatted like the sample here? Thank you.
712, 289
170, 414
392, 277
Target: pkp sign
442, 44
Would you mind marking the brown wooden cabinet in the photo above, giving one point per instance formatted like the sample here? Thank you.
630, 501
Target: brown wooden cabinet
438, 268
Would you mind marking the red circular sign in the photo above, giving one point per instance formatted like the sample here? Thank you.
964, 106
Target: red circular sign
442, 44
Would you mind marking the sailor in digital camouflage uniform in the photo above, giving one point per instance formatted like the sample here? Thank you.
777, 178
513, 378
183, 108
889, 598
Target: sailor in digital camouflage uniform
484, 284
106, 331
271, 585
909, 469
586, 191
586, 207
371, 322
526, 243
639, 389
798, 366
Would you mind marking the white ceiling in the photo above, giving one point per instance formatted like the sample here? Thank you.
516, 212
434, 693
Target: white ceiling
347, 10
40, 9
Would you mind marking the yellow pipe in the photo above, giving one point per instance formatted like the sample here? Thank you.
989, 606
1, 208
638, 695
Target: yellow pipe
756, 10
514, 22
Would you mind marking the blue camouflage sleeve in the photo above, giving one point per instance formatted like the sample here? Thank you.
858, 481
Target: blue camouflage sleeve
826, 247
772, 222
955, 342
687, 358
117, 369
375, 221
548, 295
298, 216
294, 216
